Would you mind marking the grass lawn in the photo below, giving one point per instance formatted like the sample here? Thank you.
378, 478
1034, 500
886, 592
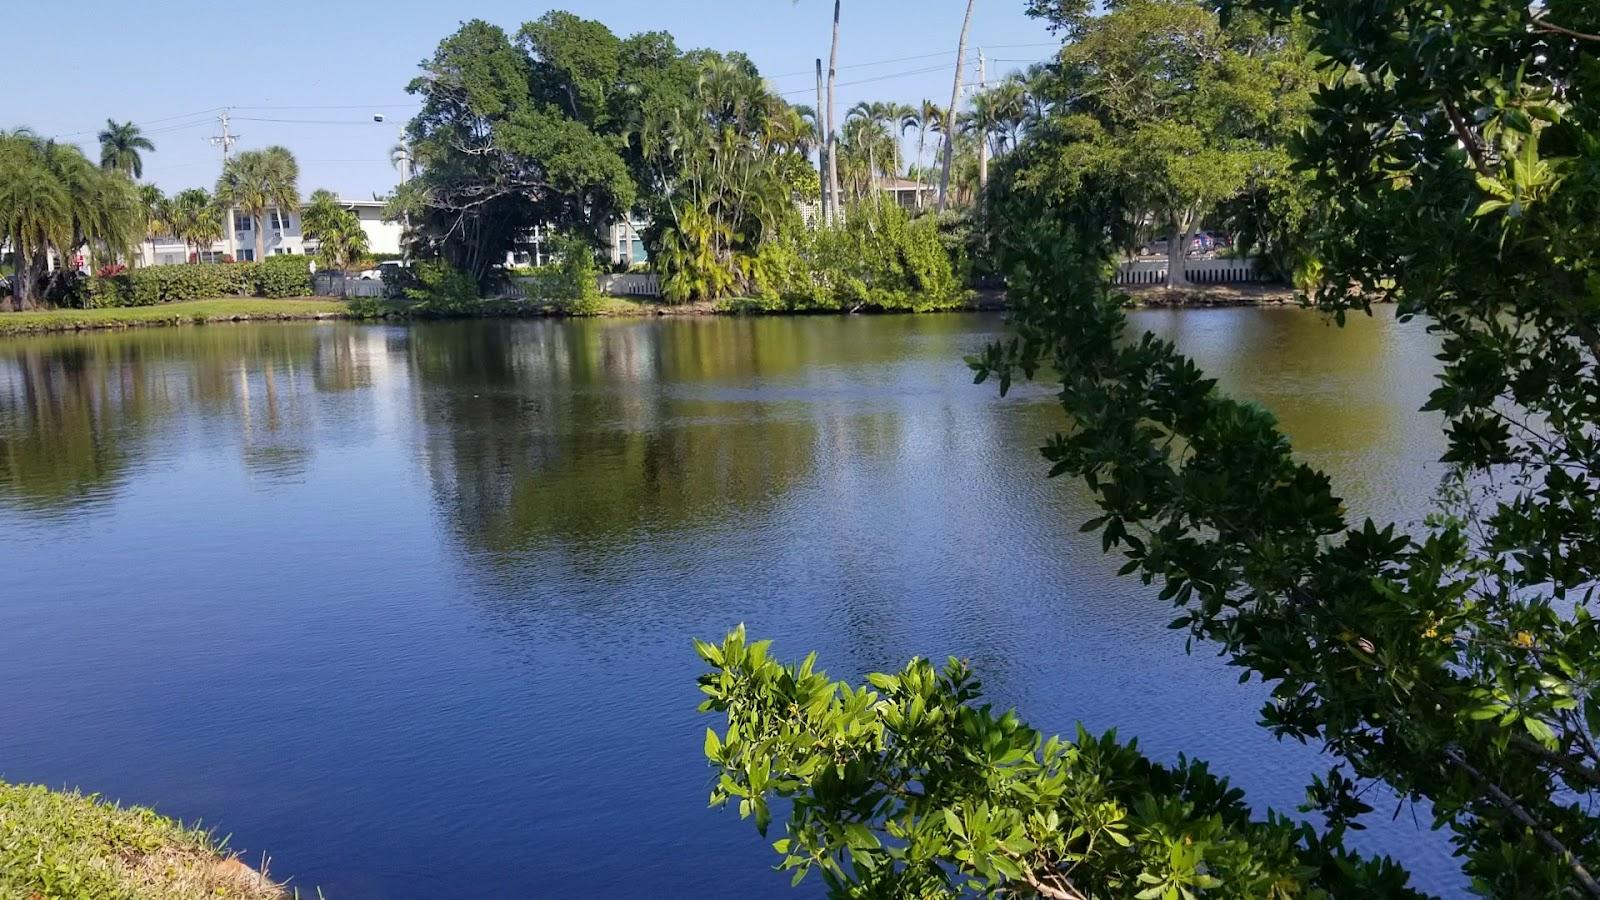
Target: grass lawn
55, 844
189, 312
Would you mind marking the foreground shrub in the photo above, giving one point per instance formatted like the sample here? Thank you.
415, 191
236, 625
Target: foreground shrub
908, 787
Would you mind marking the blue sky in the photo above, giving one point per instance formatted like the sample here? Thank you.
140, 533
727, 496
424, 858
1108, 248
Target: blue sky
323, 70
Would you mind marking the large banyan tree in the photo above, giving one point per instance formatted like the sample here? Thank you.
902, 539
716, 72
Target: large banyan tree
570, 126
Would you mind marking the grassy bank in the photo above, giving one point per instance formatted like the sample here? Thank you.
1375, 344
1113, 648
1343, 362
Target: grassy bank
247, 309
192, 312
56, 844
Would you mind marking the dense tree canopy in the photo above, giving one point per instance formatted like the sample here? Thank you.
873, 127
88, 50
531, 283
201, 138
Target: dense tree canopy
1454, 154
1191, 111
517, 134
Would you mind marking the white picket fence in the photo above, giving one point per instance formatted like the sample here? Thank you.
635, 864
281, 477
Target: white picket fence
1198, 271
338, 284
631, 284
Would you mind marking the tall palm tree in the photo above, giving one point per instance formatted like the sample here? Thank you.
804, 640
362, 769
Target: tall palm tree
193, 217
255, 180
918, 117
120, 144
955, 98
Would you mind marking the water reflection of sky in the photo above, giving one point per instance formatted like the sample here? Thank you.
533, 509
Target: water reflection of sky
411, 608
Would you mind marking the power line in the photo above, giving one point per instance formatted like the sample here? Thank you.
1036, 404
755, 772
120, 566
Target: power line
881, 62
307, 121
945, 52
141, 125
341, 106
892, 75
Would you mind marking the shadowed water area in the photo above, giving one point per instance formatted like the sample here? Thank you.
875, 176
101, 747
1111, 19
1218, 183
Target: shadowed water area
410, 607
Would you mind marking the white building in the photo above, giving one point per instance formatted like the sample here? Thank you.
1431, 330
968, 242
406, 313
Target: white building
283, 237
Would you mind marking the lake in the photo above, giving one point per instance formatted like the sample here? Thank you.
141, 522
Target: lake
409, 608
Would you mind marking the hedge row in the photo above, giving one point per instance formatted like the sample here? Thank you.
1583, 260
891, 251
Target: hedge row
277, 276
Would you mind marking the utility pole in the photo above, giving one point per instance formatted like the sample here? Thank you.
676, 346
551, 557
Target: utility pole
405, 176
983, 131
225, 140
822, 152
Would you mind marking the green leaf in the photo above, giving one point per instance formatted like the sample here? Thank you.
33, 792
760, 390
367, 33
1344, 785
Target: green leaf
1539, 730
953, 822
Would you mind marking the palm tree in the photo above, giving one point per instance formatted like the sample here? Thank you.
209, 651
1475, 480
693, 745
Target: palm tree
336, 229
33, 208
257, 179
401, 158
193, 217
156, 215
918, 117
1008, 112
120, 144
54, 201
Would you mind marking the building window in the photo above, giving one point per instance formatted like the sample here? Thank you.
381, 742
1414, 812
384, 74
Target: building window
211, 256
639, 255
242, 222
281, 224
282, 251
246, 256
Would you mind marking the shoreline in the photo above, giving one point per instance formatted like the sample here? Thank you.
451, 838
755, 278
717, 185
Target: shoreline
82, 844
312, 309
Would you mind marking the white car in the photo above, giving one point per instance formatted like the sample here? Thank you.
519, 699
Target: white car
376, 274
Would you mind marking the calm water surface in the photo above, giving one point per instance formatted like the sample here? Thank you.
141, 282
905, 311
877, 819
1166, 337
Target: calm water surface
410, 608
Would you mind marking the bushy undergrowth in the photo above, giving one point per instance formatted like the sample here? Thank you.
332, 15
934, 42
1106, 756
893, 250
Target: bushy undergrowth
570, 284
278, 276
880, 258
439, 290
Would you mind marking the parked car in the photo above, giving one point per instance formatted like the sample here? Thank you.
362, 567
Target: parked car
377, 273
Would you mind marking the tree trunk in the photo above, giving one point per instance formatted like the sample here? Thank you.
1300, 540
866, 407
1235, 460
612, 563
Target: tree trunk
922, 136
22, 291
955, 99
983, 132
822, 153
1178, 251
261, 235
832, 142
